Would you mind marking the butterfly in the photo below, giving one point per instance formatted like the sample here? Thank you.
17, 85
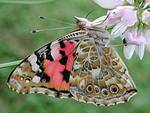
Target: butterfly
81, 65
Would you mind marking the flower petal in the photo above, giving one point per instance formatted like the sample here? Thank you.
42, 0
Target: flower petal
118, 30
109, 4
140, 50
146, 16
147, 36
129, 50
129, 16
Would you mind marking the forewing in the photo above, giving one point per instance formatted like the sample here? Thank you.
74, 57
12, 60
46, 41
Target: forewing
48, 69
99, 76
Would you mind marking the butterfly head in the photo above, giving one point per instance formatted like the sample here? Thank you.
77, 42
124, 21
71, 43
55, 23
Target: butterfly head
83, 23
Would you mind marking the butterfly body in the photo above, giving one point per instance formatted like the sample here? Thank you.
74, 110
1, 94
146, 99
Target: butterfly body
79, 65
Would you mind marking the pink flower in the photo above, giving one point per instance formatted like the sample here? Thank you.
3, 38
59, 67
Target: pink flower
146, 16
136, 41
109, 4
129, 21
121, 18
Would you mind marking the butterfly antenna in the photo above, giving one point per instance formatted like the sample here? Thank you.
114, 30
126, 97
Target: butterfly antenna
101, 21
90, 13
55, 20
50, 29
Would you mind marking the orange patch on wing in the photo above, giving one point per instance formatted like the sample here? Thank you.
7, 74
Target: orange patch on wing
56, 81
69, 47
64, 85
54, 68
70, 62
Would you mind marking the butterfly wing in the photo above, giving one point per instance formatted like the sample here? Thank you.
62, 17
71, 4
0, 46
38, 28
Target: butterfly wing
99, 76
48, 69
78, 67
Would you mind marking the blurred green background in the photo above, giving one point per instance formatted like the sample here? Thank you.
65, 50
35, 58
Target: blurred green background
16, 41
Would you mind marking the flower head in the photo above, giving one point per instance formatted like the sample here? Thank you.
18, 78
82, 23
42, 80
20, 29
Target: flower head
136, 41
131, 22
119, 18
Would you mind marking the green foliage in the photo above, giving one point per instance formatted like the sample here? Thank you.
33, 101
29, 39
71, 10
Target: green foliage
25, 1
16, 42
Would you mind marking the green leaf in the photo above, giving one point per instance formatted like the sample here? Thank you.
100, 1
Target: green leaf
4, 65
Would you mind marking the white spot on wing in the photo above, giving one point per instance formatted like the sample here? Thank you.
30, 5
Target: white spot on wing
36, 79
96, 73
77, 66
54, 50
42, 50
32, 59
18, 71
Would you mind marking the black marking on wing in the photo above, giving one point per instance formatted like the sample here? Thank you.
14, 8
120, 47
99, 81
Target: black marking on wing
48, 53
132, 90
63, 60
39, 61
49, 56
74, 54
40, 58
48, 46
40, 55
43, 76
62, 53
66, 75
62, 45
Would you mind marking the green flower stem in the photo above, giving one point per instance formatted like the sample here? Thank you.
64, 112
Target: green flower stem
25, 1
5, 65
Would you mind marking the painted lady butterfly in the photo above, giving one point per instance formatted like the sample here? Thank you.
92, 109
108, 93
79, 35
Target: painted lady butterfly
80, 65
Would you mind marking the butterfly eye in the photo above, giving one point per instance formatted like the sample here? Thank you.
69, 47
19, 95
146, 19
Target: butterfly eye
89, 88
21, 78
114, 88
28, 79
86, 64
114, 63
105, 92
97, 89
